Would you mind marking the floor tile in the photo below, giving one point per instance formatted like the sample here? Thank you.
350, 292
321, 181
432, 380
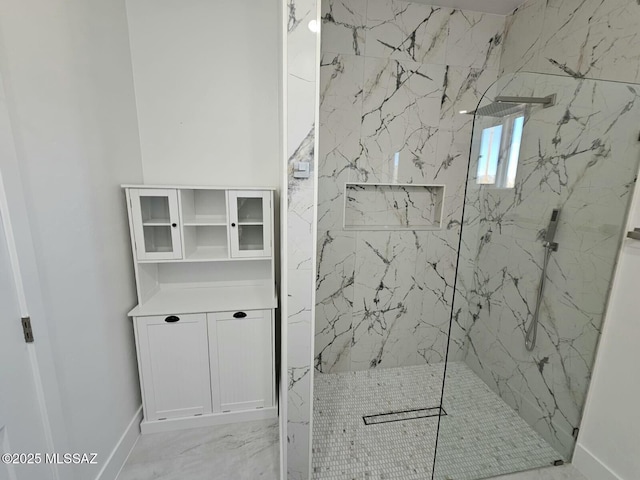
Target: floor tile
480, 435
242, 451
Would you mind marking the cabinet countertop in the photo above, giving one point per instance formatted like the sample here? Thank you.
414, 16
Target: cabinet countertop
168, 301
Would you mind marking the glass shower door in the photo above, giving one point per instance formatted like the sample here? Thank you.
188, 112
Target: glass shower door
546, 197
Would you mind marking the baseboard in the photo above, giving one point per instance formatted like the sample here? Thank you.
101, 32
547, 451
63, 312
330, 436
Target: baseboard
589, 466
112, 466
208, 420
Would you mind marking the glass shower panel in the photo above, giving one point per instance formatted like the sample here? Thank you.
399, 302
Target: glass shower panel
508, 408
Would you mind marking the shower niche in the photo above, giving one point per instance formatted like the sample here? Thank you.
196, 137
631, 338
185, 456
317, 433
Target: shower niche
386, 206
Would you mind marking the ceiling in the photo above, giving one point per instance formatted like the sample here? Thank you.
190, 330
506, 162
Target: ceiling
501, 7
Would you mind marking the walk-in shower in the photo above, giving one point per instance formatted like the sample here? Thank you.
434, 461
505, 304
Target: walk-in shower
559, 225
464, 261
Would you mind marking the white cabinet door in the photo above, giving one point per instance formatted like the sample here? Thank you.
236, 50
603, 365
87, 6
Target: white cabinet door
250, 223
173, 354
241, 346
154, 216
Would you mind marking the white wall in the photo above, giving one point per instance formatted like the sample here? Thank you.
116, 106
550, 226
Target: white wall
206, 80
609, 442
68, 81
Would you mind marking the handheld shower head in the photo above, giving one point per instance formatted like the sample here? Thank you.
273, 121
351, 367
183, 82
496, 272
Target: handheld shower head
553, 225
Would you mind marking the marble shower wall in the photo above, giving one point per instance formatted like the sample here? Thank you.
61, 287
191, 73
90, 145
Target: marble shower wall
597, 39
301, 69
582, 156
394, 75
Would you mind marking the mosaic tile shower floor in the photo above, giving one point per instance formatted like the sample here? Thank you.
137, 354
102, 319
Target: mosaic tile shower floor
480, 437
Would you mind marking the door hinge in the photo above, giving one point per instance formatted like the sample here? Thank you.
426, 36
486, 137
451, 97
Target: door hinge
26, 328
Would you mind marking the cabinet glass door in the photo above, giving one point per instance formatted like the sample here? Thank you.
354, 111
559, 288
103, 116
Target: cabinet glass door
155, 224
250, 217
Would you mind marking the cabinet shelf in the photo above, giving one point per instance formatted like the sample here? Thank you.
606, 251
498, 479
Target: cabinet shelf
209, 253
206, 242
206, 221
163, 249
184, 300
250, 247
156, 223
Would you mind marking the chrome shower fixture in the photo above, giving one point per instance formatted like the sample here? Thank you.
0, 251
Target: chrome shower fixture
504, 106
549, 246
550, 234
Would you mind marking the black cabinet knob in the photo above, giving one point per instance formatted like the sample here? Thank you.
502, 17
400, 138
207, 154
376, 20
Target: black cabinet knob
174, 225
239, 315
233, 224
172, 319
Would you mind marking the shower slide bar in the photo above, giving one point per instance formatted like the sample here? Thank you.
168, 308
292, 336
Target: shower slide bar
549, 247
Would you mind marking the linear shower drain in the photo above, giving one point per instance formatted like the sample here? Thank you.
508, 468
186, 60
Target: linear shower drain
402, 415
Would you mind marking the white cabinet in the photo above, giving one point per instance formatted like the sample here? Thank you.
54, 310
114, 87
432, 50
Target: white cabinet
204, 323
154, 217
250, 214
204, 369
173, 352
198, 224
241, 354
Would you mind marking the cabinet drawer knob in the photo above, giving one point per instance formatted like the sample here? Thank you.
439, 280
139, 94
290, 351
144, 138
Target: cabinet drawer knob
172, 319
239, 315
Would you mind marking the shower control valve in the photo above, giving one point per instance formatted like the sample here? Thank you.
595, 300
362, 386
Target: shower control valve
301, 170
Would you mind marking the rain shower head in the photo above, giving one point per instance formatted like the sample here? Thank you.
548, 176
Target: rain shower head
496, 109
504, 106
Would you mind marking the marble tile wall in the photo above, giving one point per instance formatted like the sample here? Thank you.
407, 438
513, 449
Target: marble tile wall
393, 76
582, 156
301, 67
581, 38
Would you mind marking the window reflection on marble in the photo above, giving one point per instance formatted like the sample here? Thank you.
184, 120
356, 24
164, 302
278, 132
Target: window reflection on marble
499, 152
489, 153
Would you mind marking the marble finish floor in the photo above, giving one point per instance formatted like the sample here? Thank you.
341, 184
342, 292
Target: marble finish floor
240, 451
480, 437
